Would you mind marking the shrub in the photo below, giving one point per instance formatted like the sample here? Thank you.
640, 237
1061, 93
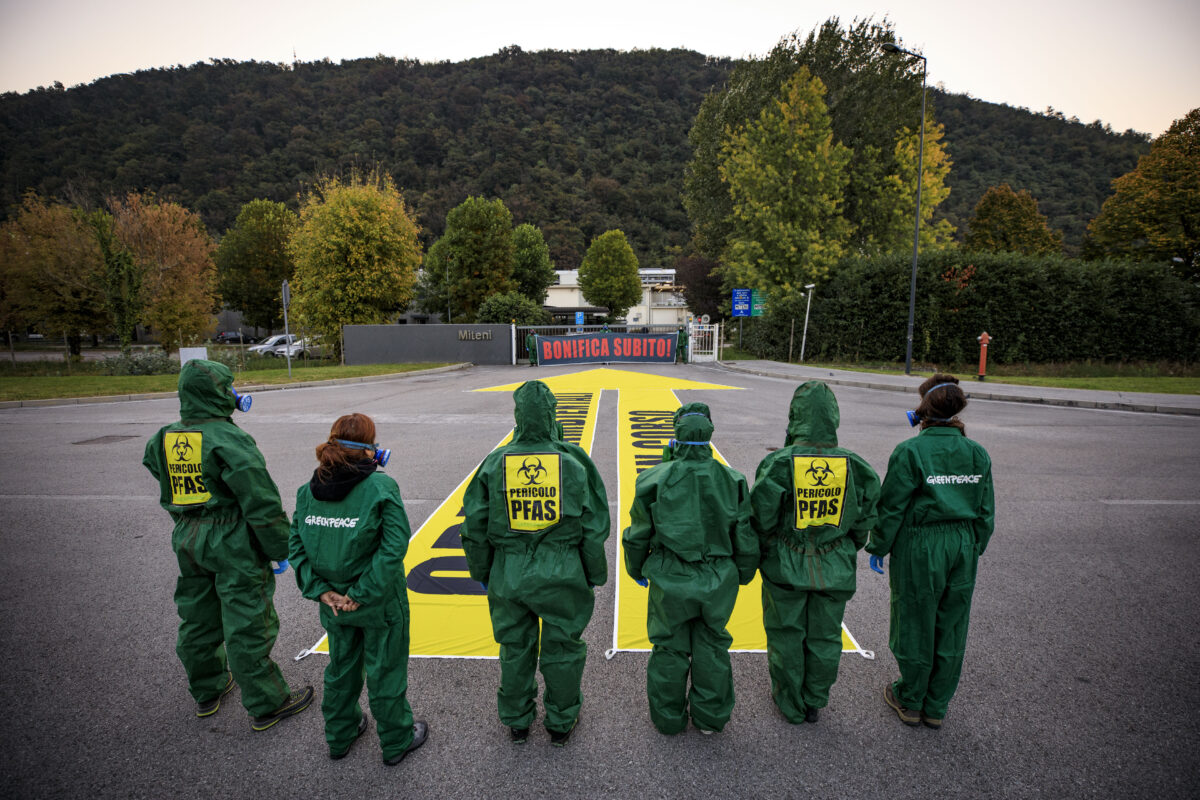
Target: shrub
150, 362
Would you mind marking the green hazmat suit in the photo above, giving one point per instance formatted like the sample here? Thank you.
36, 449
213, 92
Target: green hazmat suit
536, 520
681, 346
349, 535
689, 535
531, 348
229, 526
814, 504
936, 515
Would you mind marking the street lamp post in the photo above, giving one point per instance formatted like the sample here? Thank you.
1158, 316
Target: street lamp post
912, 286
804, 339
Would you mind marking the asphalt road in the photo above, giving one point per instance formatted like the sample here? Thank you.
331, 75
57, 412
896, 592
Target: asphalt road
1079, 681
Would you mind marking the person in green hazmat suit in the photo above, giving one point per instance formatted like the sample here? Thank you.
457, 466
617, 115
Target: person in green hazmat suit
229, 526
681, 346
689, 538
349, 537
814, 504
531, 348
936, 515
536, 520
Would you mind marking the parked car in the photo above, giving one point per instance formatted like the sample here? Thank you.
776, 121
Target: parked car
234, 337
310, 348
267, 346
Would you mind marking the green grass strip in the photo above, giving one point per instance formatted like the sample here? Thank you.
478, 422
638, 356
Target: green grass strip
49, 387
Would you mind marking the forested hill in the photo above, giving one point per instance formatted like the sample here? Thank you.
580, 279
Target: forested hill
574, 142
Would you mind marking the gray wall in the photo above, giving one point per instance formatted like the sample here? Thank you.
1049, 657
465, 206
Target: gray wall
401, 344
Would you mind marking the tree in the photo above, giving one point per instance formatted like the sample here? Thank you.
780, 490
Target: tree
935, 166
786, 176
475, 254
253, 261
54, 271
701, 284
609, 276
870, 96
512, 307
1154, 212
1006, 221
356, 254
174, 256
532, 269
122, 278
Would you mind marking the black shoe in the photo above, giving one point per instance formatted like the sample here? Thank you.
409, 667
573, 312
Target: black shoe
519, 735
560, 738
296, 702
420, 734
209, 707
812, 715
362, 728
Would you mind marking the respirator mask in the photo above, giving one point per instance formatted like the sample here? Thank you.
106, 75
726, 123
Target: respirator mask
380, 455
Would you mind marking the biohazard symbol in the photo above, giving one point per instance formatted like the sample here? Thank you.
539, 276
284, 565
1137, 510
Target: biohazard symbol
532, 470
820, 472
182, 448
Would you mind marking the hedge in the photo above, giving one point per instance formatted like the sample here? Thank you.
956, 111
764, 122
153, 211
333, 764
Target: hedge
1038, 309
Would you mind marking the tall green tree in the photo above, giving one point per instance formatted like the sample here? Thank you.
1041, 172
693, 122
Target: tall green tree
609, 276
787, 176
122, 278
253, 261
356, 254
1007, 221
475, 255
1154, 212
871, 96
935, 167
532, 268
53, 266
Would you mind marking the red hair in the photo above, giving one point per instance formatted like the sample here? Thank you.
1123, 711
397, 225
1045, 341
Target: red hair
353, 428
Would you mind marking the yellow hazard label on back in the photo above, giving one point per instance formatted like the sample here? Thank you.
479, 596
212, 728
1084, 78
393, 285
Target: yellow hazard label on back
533, 490
820, 486
183, 449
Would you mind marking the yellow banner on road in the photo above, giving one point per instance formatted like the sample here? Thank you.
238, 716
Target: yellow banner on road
449, 611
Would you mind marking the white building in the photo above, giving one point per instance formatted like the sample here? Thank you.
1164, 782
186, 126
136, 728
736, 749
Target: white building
662, 301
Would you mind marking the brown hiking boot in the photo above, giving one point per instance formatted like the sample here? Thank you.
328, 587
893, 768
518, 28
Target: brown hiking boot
931, 722
907, 715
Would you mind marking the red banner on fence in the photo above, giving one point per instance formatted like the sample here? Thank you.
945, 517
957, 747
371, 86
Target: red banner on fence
607, 348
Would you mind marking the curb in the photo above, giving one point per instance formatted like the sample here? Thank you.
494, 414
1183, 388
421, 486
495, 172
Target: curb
266, 387
1147, 408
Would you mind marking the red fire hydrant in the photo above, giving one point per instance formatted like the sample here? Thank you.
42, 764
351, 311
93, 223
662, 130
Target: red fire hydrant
983, 343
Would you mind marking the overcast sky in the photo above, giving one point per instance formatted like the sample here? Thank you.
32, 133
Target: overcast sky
1129, 64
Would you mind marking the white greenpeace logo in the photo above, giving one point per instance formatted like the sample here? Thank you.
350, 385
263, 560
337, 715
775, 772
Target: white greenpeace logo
332, 522
939, 480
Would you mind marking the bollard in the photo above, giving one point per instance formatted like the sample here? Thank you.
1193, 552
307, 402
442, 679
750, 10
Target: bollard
983, 343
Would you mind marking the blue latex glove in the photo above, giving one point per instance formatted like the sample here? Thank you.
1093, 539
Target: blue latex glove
484, 585
279, 567
642, 582
876, 563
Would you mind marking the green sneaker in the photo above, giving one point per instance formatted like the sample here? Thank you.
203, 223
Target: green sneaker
296, 702
209, 707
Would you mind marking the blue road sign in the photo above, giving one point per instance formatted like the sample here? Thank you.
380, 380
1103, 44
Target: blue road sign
741, 302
